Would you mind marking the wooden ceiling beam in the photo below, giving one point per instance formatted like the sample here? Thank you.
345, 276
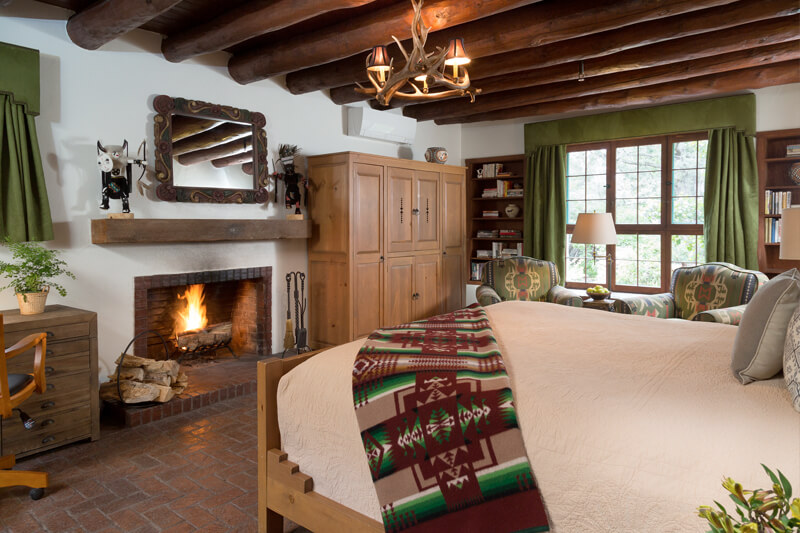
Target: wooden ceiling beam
728, 82
103, 22
217, 152
520, 29
637, 42
245, 22
744, 46
353, 36
742, 59
183, 126
234, 159
223, 133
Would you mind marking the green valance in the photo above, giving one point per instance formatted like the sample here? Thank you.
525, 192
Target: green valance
738, 112
19, 76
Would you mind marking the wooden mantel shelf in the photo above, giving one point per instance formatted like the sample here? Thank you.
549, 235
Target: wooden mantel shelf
167, 230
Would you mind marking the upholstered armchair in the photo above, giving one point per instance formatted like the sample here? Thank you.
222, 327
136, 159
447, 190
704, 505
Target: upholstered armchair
524, 278
713, 292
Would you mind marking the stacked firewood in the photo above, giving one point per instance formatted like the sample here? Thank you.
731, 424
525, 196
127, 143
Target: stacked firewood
144, 380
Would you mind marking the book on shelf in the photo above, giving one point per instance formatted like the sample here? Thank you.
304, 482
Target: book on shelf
499, 250
776, 201
483, 253
793, 150
773, 230
491, 214
487, 233
510, 233
476, 270
490, 193
516, 193
490, 170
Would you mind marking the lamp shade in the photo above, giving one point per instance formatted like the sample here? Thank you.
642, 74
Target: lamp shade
594, 228
456, 55
378, 59
790, 233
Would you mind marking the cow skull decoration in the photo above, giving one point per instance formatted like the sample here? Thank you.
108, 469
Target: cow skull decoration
116, 168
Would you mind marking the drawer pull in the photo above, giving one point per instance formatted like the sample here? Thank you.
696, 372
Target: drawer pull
48, 352
50, 386
48, 370
50, 334
48, 440
47, 405
47, 422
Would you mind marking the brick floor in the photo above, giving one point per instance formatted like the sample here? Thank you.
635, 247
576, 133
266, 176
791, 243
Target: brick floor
194, 471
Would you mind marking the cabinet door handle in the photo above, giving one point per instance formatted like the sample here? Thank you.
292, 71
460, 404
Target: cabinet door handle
50, 334
47, 405
47, 422
48, 440
382, 259
50, 386
444, 253
48, 352
48, 370
415, 211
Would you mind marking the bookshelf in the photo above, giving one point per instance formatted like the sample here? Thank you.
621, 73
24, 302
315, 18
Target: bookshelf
509, 231
774, 184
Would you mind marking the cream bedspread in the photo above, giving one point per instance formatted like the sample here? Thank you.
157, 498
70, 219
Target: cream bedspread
629, 422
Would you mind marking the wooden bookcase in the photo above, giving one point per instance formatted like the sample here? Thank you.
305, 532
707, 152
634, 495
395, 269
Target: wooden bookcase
773, 176
514, 169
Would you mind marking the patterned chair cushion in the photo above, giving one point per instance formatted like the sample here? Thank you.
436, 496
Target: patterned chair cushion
791, 359
657, 305
729, 315
520, 278
712, 286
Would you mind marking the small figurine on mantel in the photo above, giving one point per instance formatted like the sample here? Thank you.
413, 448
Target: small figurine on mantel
291, 179
116, 168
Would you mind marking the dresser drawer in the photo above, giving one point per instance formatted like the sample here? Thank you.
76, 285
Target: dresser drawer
53, 367
63, 392
50, 430
55, 334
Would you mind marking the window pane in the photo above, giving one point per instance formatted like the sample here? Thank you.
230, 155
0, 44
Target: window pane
684, 183
684, 155
626, 212
701, 249
573, 208
684, 210
596, 264
650, 248
595, 206
701, 215
649, 274
626, 247
684, 249
626, 185
701, 182
650, 157
649, 211
702, 152
576, 188
650, 185
596, 187
596, 162
576, 163
626, 272
627, 159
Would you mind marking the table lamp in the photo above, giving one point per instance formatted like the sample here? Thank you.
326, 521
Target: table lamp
790, 233
596, 228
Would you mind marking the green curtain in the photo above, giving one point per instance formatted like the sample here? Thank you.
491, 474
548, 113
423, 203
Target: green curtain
731, 201
545, 205
24, 208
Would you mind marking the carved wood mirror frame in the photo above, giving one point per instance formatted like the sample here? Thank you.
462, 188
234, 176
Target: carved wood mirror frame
167, 107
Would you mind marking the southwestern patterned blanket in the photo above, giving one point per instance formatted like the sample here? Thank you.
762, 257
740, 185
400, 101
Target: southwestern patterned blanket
437, 419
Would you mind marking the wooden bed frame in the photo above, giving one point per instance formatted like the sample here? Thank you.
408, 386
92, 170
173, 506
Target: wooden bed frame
284, 491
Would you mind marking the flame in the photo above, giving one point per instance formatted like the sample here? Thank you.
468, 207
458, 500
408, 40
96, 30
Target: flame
193, 315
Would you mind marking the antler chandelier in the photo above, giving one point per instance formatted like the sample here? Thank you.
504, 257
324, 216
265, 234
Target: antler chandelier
425, 76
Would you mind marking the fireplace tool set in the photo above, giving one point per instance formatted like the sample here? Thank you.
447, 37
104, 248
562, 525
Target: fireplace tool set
299, 338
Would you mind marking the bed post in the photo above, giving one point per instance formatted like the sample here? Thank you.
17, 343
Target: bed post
269, 373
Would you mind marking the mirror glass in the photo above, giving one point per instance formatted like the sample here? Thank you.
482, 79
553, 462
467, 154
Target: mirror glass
209, 152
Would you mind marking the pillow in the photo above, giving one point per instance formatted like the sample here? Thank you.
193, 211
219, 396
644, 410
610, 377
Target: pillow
791, 359
758, 348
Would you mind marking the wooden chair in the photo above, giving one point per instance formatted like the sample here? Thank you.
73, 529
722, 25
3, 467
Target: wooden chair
15, 389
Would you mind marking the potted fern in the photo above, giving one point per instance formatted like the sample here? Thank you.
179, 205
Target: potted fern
31, 273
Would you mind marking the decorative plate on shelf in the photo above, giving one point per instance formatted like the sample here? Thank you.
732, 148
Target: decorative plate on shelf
794, 173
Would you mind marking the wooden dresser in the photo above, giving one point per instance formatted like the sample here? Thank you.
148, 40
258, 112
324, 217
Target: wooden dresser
387, 244
68, 411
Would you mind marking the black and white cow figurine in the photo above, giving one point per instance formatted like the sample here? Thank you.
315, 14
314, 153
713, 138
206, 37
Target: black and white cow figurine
117, 171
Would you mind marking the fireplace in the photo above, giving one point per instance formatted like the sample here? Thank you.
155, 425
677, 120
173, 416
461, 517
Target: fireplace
241, 297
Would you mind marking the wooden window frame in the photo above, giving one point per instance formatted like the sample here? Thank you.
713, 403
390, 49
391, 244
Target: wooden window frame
666, 229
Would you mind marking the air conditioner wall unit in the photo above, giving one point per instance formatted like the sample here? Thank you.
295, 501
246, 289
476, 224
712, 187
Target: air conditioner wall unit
381, 125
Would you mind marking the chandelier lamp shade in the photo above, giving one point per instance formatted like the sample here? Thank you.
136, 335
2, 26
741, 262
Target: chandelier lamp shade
425, 76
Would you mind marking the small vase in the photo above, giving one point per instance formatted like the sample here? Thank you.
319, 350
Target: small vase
32, 303
512, 210
436, 154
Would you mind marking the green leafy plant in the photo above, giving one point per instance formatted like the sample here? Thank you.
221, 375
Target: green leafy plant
759, 511
287, 150
33, 268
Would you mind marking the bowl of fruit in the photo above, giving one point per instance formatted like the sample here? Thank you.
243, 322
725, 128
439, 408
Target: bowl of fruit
598, 292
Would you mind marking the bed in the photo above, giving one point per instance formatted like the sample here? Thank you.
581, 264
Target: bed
629, 423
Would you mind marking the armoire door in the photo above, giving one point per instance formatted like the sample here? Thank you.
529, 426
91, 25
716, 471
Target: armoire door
367, 218
399, 207
427, 284
453, 241
426, 210
398, 306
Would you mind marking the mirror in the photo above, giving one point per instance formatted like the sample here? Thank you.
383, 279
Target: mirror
209, 153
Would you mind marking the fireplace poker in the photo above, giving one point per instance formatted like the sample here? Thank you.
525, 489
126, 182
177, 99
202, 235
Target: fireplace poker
302, 334
296, 310
288, 337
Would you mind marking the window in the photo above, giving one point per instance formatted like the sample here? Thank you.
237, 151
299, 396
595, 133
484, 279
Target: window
654, 188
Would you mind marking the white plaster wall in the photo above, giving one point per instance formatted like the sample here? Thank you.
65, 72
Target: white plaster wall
107, 94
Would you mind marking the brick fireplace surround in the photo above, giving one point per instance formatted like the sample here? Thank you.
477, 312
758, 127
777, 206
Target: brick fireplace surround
242, 295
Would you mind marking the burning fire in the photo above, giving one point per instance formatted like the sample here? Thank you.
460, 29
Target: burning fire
193, 315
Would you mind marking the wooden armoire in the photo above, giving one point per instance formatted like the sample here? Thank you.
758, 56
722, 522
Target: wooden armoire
387, 244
